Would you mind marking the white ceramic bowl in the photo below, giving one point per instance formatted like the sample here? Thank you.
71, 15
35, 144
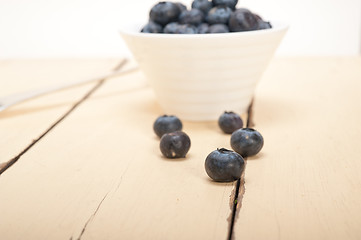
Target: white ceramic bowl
197, 77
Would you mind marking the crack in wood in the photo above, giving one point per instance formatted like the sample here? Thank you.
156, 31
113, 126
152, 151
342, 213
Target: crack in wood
6, 165
240, 188
91, 217
99, 205
250, 122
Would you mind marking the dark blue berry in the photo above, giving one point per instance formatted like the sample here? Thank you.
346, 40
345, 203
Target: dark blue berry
247, 141
175, 144
193, 16
186, 29
223, 165
219, 14
152, 27
230, 122
203, 28
176, 28
264, 25
164, 13
242, 20
171, 27
203, 5
181, 6
218, 28
229, 3
166, 124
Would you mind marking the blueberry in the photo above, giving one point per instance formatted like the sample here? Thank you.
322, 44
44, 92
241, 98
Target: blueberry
203, 5
186, 29
171, 27
218, 28
263, 25
242, 20
166, 124
176, 28
219, 14
230, 122
175, 144
223, 165
193, 16
152, 27
229, 3
203, 28
246, 141
164, 13
181, 6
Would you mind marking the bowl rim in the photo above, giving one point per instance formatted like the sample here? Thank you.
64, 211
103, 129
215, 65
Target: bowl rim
131, 30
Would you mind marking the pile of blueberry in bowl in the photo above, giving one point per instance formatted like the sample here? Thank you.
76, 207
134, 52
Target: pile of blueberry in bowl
196, 76
216, 16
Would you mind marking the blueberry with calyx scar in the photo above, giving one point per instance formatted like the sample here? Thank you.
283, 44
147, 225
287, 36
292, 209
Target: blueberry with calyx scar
247, 141
175, 144
223, 165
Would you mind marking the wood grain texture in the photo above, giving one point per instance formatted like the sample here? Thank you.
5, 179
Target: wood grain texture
23, 123
306, 183
100, 175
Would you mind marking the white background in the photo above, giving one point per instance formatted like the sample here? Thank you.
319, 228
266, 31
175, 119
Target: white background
89, 28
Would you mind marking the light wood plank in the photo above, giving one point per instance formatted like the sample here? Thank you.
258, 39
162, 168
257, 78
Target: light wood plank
22, 123
100, 175
306, 184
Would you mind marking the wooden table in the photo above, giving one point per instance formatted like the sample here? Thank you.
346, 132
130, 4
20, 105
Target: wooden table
85, 164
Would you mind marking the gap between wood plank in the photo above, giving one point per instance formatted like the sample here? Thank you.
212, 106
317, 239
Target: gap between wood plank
239, 191
6, 165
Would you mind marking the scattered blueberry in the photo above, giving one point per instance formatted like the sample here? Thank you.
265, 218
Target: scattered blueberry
203, 5
218, 28
193, 16
246, 141
223, 165
230, 122
219, 14
229, 3
203, 28
164, 13
181, 6
175, 144
166, 124
152, 27
243, 20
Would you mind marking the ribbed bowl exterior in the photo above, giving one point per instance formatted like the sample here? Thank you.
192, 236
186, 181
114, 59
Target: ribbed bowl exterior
198, 77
